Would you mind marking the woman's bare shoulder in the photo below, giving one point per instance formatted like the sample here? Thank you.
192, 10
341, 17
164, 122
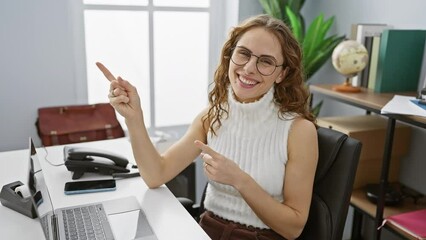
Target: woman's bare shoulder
303, 128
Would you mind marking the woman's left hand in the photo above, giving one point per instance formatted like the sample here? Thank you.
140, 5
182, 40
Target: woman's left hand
217, 167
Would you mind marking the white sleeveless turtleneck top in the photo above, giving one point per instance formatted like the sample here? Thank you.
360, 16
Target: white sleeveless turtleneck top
254, 137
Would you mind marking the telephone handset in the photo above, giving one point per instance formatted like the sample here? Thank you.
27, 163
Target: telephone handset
80, 160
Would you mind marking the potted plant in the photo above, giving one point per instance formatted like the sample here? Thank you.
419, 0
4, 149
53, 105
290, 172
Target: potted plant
316, 46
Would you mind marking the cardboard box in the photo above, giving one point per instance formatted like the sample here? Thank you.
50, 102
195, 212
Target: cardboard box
371, 131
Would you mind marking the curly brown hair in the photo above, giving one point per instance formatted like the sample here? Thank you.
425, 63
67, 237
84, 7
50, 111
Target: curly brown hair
290, 95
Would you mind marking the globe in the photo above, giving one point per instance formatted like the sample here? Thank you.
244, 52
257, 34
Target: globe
349, 58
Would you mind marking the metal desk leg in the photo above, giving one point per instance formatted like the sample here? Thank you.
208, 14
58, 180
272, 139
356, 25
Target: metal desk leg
384, 175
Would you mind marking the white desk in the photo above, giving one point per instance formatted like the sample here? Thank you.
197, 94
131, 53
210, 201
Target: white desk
167, 217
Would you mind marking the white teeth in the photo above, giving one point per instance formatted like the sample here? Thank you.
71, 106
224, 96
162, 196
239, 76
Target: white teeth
245, 81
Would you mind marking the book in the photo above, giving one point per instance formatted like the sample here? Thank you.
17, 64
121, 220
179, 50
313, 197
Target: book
400, 59
354, 28
372, 74
365, 30
369, 30
412, 223
422, 80
368, 43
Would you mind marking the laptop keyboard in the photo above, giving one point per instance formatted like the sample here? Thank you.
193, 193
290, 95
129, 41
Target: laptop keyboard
45, 225
86, 222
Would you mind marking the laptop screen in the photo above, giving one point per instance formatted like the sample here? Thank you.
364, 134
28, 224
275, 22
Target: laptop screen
37, 184
32, 169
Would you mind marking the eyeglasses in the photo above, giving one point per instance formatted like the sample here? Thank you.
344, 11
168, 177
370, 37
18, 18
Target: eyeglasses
266, 65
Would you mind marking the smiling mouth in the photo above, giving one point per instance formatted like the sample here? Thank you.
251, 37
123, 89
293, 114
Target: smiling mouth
246, 82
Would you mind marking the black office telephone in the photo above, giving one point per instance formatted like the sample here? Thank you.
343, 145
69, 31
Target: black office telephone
80, 160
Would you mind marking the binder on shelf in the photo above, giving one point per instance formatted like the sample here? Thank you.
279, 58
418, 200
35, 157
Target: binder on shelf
412, 223
400, 59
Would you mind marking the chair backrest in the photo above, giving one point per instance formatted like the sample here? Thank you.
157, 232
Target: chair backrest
334, 178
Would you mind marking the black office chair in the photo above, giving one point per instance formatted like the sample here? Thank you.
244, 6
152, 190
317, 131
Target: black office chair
334, 177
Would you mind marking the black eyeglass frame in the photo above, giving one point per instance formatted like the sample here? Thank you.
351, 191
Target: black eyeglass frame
257, 61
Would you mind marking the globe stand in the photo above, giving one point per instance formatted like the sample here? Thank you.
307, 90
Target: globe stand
346, 87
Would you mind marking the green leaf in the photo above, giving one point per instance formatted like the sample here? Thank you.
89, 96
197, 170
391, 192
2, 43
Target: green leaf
325, 26
311, 36
316, 62
272, 7
325, 44
296, 6
332, 42
283, 5
295, 24
302, 2
302, 22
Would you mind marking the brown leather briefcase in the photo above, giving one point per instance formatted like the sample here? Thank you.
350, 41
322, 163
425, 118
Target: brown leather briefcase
77, 123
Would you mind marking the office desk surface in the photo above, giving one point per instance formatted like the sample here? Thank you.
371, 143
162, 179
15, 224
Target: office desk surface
166, 215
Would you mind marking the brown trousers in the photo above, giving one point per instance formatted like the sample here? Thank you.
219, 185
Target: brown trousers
220, 229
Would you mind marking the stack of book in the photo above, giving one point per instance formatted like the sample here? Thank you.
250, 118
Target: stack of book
395, 57
369, 35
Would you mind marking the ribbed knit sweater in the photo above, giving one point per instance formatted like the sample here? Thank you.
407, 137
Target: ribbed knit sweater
254, 137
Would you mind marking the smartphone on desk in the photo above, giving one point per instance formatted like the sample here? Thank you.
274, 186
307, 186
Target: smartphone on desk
79, 187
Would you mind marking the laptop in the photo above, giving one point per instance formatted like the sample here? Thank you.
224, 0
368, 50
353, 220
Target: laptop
103, 220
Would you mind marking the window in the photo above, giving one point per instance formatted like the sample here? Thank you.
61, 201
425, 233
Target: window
160, 46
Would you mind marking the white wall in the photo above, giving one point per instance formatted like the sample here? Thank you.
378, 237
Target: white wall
36, 65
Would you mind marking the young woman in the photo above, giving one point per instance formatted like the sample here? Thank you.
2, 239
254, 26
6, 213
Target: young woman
257, 137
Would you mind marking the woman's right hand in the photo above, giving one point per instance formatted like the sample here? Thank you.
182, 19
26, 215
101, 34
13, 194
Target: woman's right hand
122, 95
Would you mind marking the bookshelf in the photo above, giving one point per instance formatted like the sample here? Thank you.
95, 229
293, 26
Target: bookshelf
373, 102
360, 202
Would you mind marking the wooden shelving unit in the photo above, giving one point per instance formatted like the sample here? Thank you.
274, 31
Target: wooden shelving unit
373, 102
360, 201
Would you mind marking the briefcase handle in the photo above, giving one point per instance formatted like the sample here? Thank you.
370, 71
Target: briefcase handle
77, 108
